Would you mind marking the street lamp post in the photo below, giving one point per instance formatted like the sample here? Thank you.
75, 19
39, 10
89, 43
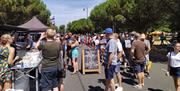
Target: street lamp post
87, 12
52, 20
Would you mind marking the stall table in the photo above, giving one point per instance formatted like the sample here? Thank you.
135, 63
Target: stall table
25, 67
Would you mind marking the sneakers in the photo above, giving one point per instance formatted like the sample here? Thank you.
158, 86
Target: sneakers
119, 88
148, 77
138, 86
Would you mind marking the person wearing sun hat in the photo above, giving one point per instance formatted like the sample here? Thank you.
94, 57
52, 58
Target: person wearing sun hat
102, 45
110, 59
138, 51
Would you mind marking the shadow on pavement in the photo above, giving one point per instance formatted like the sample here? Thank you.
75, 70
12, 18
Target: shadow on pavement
129, 81
102, 81
97, 88
152, 89
128, 74
128, 78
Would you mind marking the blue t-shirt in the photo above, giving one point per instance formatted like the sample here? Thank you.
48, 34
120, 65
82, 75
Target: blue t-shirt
111, 47
30, 42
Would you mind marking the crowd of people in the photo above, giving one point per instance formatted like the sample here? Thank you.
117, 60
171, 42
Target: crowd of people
128, 49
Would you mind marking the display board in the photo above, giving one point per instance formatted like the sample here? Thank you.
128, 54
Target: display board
90, 60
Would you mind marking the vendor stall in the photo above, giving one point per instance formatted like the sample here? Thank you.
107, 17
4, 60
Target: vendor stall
29, 62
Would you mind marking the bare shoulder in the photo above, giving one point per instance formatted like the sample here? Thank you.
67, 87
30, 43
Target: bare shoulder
11, 49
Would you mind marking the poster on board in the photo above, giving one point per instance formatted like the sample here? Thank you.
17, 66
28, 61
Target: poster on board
90, 60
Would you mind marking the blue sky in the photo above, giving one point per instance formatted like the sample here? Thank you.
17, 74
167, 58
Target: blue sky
66, 11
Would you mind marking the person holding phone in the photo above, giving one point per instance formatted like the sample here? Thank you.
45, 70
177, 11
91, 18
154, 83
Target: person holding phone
50, 48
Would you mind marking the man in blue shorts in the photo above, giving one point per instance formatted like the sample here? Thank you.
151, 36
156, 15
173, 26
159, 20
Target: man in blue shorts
110, 59
138, 51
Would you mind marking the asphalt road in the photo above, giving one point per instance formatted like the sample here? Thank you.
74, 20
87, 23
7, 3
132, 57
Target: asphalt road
95, 81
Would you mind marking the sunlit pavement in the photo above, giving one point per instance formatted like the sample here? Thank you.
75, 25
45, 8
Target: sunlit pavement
95, 82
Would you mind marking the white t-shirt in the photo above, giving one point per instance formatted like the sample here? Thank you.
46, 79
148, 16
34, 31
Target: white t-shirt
79, 39
149, 46
119, 45
174, 59
103, 43
127, 43
94, 38
96, 42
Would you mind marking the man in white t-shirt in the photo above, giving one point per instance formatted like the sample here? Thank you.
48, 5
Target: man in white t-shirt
117, 70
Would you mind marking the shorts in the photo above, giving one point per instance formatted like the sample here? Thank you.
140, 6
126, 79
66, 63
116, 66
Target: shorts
49, 78
97, 47
109, 73
139, 67
74, 53
117, 69
175, 71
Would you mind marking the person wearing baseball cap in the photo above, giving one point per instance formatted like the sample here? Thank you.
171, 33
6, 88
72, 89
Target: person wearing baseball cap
108, 31
110, 59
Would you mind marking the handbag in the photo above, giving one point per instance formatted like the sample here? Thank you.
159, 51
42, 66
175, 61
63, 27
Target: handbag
62, 73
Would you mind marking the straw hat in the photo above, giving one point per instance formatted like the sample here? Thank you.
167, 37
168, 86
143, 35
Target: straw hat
143, 36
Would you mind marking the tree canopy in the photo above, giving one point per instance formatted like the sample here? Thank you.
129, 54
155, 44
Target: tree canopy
16, 12
81, 26
136, 15
62, 29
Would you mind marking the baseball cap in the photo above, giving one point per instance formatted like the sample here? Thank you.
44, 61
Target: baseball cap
108, 31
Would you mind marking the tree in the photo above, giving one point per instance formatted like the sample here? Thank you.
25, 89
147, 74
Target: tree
144, 18
16, 12
110, 13
173, 10
62, 29
119, 22
99, 17
132, 15
81, 26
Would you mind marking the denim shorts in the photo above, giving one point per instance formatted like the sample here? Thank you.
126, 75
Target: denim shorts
109, 73
139, 67
175, 71
49, 78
